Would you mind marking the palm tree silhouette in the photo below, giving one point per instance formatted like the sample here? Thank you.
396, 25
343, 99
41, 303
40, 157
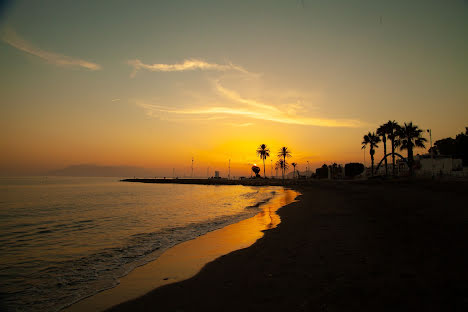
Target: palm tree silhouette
281, 164
392, 128
382, 132
294, 165
263, 152
372, 139
283, 153
409, 136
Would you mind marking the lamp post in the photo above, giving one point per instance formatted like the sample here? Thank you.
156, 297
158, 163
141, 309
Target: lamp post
432, 152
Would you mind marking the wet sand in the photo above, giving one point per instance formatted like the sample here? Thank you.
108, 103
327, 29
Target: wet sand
186, 259
358, 246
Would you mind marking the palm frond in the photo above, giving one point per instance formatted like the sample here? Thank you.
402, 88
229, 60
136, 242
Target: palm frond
284, 152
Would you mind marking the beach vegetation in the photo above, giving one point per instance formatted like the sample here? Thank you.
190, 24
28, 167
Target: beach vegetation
353, 169
371, 139
392, 128
382, 133
409, 137
263, 152
457, 147
284, 153
282, 165
294, 164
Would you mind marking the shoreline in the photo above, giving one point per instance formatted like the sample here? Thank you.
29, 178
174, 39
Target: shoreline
185, 259
366, 246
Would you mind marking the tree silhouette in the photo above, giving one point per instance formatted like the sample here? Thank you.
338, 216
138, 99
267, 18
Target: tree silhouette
371, 139
283, 165
457, 147
294, 165
263, 152
283, 153
382, 132
392, 128
409, 136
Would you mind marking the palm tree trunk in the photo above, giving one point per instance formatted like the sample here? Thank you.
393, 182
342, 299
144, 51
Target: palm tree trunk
410, 160
264, 174
284, 165
372, 162
385, 153
393, 157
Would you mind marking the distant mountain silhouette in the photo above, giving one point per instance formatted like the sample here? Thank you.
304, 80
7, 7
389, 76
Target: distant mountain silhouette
102, 171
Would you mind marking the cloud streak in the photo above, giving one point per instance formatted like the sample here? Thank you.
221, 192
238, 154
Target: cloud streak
154, 110
186, 65
12, 38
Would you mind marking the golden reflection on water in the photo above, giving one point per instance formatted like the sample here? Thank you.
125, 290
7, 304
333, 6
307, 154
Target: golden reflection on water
186, 259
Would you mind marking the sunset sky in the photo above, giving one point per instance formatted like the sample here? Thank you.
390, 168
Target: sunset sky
155, 83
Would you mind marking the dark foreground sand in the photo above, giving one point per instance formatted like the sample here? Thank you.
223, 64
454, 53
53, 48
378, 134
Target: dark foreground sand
369, 246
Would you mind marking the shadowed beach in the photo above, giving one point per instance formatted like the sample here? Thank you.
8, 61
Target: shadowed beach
349, 246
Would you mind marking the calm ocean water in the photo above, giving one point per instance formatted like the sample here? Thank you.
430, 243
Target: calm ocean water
63, 239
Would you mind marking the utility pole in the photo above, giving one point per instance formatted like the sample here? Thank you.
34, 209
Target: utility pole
192, 167
229, 174
432, 152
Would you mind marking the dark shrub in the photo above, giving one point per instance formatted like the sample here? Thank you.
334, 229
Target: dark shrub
353, 169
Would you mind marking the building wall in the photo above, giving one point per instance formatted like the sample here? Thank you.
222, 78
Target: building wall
442, 166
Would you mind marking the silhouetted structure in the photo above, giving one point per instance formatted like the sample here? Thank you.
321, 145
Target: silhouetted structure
322, 172
256, 170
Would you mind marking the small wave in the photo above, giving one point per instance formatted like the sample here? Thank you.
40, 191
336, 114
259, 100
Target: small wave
84, 221
250, 195
262, 199
44, 232
61, 283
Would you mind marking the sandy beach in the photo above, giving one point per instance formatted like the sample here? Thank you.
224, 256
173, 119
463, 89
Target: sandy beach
349, 246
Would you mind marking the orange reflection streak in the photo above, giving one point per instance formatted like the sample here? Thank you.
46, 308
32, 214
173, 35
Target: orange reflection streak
186, 259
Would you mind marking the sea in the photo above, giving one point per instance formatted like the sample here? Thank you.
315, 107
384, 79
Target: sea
63, 239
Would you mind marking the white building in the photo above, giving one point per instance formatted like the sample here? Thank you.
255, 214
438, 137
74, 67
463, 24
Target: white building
440, 165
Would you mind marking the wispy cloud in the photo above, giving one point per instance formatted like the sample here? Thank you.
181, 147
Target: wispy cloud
270, 112
186, 65
115, 100
234, 96
241, 125
12, 38
281, 117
